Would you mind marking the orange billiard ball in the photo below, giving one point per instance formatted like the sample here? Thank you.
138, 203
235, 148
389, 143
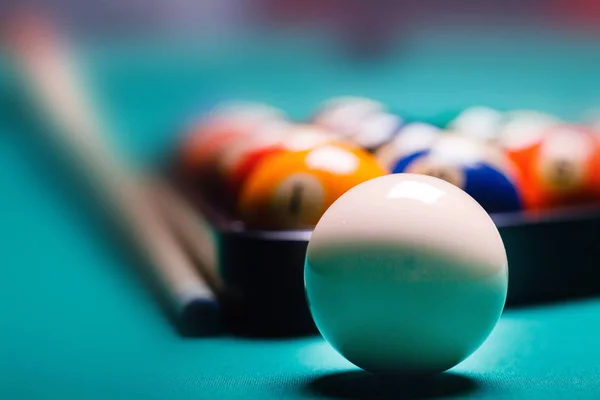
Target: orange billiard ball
291, 190
562, 168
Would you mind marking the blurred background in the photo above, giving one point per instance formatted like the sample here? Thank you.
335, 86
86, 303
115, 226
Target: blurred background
220, 17
422, 58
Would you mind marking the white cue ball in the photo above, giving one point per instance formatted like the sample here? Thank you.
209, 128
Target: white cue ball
406, 274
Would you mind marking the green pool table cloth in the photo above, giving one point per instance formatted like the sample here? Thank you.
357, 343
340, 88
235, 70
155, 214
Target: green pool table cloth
75, 320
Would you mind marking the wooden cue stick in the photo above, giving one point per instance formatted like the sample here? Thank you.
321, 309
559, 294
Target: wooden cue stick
53, 80
194, 231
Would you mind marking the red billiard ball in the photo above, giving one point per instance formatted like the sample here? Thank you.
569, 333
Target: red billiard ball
294, 138
206, 137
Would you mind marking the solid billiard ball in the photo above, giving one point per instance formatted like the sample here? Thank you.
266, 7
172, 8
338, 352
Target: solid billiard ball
236, 166
481, 170
343, 114
562, 168
412, 137
478, 122
291, 190
406, 274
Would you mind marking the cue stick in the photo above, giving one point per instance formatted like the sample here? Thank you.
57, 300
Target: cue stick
52, 77
194, 231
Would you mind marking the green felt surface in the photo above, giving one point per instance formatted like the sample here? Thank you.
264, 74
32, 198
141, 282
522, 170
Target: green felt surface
75, 322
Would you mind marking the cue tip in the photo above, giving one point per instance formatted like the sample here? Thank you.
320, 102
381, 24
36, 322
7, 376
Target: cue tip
200, 317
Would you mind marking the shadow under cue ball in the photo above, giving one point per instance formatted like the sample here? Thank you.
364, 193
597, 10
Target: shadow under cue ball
406, 274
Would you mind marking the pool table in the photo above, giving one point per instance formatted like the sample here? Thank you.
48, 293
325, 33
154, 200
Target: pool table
77, 322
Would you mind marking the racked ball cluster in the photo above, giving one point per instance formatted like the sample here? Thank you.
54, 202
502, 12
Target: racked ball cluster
270, 172
274, 173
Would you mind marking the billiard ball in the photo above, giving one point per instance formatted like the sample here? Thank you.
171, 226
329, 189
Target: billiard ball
224, 118
412, 137
478, 122
524, 128
343, 114
405, 274
236, 166
204, 138
267, 136
522, 134
562, 168
291, 190
376, 130
474, 166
